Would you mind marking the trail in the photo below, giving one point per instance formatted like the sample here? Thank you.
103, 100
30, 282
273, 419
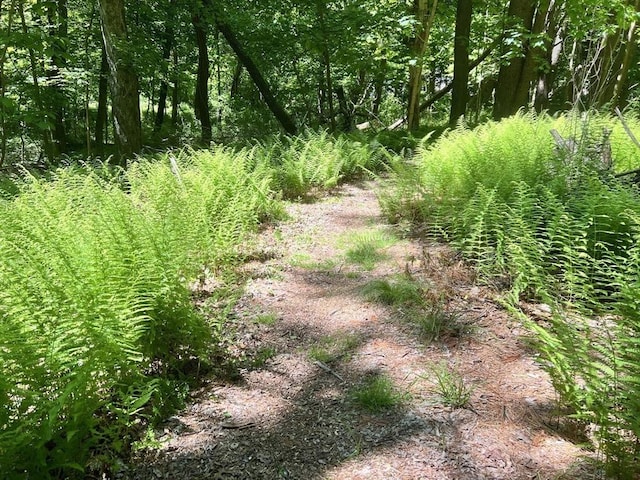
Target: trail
295, 417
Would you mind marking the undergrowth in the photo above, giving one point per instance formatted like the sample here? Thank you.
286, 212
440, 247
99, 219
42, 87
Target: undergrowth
554, 225
318, 160
99, 331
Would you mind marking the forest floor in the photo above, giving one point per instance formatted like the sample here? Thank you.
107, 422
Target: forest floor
317, 341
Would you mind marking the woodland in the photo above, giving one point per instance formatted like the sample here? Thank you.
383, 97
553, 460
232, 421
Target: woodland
143, 143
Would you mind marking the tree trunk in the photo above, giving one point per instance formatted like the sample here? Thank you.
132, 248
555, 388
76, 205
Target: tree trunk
164, 81
57, 17
425, 15
326, 62
460, 93
201, 104
175, 94
553, 47
3, 113
102, 113
278, 111
510, 75
379, 87
47, 142
123, 80
621, 93
237, 78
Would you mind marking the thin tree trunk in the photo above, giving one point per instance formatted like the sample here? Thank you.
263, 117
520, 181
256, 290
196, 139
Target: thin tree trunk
621, 92
47, 138
326, 61
175, 94
553, 49
236, 80
460, 94
278, 111
425, 15
123, 80
3, 113
202, 81
164, 82
510, 74
102, 117
57, 17
379, 87
219, 79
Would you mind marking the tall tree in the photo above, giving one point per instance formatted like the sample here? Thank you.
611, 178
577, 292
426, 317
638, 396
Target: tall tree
167, 45
57, 16
201, 103
252, 69
519, 23
123, 80
424, 11
460, 93
630, 50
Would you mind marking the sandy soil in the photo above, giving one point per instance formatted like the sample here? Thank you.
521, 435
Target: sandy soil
296, 418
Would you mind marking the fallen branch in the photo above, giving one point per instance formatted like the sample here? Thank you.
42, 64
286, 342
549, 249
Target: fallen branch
328, 370
627, 129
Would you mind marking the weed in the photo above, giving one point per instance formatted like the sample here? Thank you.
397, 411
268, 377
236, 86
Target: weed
261, 357
321, 354
401, 291
266, 319
332, 347
377, 393
437, 320
366, 248
450, 386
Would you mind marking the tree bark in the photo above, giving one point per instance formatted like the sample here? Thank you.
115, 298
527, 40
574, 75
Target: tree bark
47, 142
102, 118
553, 49
57, 16
511, 74
621, 92
123, 80
425, 14
460, 93
3, 113
164, 81
379, 87
278, 111
201, 103
175, 94
326, 62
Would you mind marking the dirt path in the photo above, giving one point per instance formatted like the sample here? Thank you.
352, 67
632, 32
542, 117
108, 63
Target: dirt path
320, 340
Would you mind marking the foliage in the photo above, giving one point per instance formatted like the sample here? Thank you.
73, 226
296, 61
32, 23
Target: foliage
99, 329
318, 160
95, 300
450, 386
401, 291
367, 248
558, 227
377, 394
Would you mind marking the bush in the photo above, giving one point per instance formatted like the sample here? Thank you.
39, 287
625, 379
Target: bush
559, 229
95, 300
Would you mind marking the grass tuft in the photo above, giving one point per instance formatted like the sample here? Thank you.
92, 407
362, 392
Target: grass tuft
377, 394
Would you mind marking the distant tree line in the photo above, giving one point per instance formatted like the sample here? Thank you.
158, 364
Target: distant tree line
107, 77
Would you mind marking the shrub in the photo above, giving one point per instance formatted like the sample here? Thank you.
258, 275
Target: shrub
559, 229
